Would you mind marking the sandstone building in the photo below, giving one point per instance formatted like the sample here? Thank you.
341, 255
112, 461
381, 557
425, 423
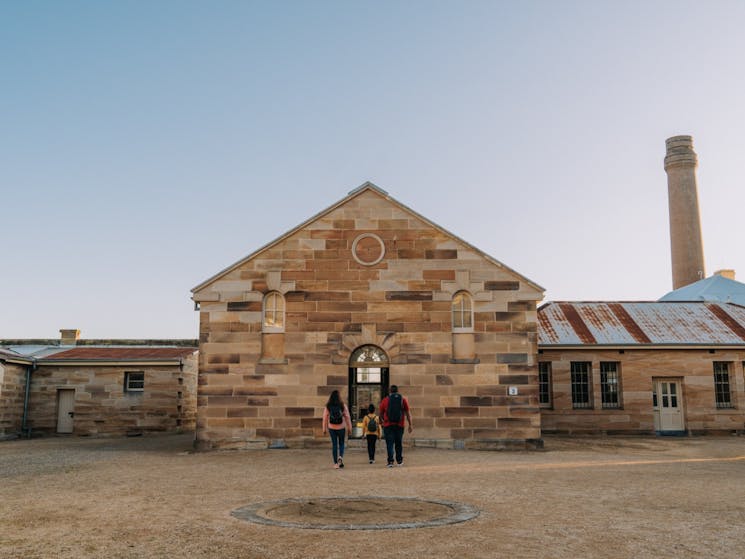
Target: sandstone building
366, 294
14, 369
668, 367
96, 387
672, 366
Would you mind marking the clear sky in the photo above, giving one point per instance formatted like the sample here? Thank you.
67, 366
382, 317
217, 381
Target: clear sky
145, 146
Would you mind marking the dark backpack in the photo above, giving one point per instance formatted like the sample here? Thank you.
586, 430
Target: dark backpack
336, 415
372, 425
395, 407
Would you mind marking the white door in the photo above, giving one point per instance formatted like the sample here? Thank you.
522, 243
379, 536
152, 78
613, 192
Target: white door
669, 406
65, 409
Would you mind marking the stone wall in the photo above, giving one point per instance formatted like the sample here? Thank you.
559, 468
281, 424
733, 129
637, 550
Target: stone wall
258, 389
12, 392
102, 407
638, 369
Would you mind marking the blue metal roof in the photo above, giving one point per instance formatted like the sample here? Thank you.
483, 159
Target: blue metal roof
714, 288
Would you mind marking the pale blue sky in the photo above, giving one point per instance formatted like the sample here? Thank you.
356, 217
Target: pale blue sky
147, 145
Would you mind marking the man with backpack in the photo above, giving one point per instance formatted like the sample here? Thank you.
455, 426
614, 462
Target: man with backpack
393, 409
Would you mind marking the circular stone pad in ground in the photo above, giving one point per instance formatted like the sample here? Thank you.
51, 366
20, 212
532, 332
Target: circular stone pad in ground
356, 513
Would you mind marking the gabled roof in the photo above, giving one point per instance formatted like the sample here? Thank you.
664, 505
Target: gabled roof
714, 288
648, 324
367, 186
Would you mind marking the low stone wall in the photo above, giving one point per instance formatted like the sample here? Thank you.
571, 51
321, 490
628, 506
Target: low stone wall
12, 391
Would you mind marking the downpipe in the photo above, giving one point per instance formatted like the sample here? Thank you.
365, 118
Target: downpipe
25, 430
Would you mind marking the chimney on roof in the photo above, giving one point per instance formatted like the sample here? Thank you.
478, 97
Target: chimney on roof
69, 337
729, 274
687, 248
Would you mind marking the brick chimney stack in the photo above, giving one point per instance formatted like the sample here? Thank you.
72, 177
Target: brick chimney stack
69, 337
687, 248
728, 273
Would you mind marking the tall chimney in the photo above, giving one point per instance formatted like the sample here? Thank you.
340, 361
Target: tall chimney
685, 225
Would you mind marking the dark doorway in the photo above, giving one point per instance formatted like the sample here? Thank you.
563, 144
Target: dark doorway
368, 382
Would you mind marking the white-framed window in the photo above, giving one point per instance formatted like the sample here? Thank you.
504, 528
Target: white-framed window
134, 381
544, 384
368, 362
610, 385
462, 312
722, 387
581, 387
273, 311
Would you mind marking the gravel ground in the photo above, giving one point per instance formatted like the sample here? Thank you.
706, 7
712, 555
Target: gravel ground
581, 497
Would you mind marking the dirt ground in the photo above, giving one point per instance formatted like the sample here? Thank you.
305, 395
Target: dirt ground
580, 498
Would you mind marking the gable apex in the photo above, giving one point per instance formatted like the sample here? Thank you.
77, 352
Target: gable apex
367, 185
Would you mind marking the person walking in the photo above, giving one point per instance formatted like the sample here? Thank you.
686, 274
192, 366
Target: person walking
393, 409
373, 431
335, 417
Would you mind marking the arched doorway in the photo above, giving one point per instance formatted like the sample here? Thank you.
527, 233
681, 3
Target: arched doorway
368, 381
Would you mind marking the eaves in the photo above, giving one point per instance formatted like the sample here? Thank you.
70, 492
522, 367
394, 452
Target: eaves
109, 363
647, 347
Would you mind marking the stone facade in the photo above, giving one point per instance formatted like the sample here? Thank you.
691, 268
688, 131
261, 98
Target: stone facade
642, 367
639, 370
12, 393
367, 272
83, 387
102, 406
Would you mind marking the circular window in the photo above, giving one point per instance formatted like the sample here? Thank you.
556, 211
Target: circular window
368, 249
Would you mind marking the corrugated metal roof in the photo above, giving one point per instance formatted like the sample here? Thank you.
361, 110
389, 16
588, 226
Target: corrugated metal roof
714, 288
641, 323
10, 355
121, 353
37, 351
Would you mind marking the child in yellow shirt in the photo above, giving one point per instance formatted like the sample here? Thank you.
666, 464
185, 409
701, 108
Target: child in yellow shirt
373, 430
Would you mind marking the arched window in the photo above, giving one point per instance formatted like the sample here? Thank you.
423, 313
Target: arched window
274, 312
462, 312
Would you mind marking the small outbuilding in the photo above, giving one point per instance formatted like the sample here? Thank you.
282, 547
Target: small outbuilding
97, 387
642, 367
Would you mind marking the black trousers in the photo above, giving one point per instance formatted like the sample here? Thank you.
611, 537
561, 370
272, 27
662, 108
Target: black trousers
394, 438
371, 441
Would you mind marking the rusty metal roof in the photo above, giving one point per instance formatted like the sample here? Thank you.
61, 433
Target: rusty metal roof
641, 323
121, 353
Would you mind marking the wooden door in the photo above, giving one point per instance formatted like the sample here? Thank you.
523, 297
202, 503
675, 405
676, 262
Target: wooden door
65, 410
669, 406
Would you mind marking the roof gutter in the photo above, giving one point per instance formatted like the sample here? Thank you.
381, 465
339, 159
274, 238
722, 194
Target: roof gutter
111, 363
640, 346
